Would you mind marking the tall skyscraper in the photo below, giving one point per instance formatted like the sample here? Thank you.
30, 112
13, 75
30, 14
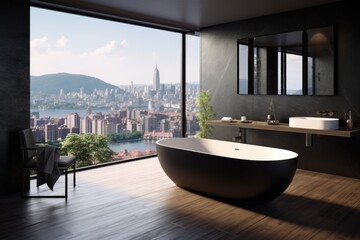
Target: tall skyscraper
132, 88
73, 121
156, 79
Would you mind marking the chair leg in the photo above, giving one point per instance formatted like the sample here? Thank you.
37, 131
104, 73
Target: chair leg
23, 171
22, 183
74, 172
66, 183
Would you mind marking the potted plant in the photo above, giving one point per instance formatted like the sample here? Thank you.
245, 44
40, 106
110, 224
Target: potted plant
205, 112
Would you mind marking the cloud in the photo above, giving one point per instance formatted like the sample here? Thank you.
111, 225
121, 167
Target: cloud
61, 43
124, 43
110, 47
40, 44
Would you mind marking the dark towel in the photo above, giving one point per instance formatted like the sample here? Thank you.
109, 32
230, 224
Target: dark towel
47, 165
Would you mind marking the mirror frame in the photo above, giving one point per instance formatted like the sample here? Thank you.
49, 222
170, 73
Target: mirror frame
249, 82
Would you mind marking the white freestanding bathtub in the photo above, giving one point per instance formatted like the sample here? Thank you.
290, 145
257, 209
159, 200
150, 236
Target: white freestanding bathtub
251, 173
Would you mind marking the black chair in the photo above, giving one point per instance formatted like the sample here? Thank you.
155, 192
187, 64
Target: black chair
29, 155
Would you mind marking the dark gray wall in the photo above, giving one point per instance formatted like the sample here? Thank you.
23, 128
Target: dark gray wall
14, 88
335, 155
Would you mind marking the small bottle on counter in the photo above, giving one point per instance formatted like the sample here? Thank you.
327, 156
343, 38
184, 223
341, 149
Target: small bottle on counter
349, 121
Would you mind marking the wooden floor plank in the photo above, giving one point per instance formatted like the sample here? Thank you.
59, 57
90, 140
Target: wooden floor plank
136, 200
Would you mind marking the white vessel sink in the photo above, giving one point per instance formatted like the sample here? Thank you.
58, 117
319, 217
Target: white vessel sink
314, 123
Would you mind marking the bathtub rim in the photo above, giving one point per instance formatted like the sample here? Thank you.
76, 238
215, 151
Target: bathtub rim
291, 154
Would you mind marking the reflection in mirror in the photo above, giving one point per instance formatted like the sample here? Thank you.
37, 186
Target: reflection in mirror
321, 55
243, 74
291, 63
278, 64
294, 76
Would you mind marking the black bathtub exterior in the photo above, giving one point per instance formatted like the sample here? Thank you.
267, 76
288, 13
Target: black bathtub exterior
246, 180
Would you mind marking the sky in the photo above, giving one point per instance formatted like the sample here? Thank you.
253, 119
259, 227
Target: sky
114, 52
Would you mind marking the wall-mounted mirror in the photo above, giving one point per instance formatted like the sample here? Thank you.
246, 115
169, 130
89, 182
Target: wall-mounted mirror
291, 63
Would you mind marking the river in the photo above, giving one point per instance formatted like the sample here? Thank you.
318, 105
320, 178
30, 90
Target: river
133, 145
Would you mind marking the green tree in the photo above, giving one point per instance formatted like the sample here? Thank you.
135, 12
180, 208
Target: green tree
205, 112
125, 136
89, 148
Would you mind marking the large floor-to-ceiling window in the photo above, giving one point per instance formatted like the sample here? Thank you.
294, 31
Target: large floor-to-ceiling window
192, 83
116, 80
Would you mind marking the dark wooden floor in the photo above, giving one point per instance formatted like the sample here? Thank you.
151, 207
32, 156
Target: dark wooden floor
136, 200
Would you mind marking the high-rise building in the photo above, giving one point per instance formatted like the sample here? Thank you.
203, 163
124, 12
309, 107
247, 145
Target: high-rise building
63, 132
110, 128
51, 132
164, 125
58, 121
75, 130
94, 125
73, 121
150, 106
131, 125
86, 125
123, 113
132, 88
139, 127
119, 128
101, 127
149, 123
156, 79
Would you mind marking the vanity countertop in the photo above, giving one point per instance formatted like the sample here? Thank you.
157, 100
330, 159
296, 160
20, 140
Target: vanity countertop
283, 127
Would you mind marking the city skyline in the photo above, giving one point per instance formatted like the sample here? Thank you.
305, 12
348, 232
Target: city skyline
134, 113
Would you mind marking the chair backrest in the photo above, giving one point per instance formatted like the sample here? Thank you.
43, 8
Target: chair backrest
27, 141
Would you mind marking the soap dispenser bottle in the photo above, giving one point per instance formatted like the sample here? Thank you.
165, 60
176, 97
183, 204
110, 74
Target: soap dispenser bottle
349, 121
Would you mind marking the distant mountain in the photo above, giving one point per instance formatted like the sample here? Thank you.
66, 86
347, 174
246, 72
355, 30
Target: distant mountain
52, 83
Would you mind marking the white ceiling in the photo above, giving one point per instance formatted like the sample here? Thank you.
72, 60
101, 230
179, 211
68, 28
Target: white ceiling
183, 14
